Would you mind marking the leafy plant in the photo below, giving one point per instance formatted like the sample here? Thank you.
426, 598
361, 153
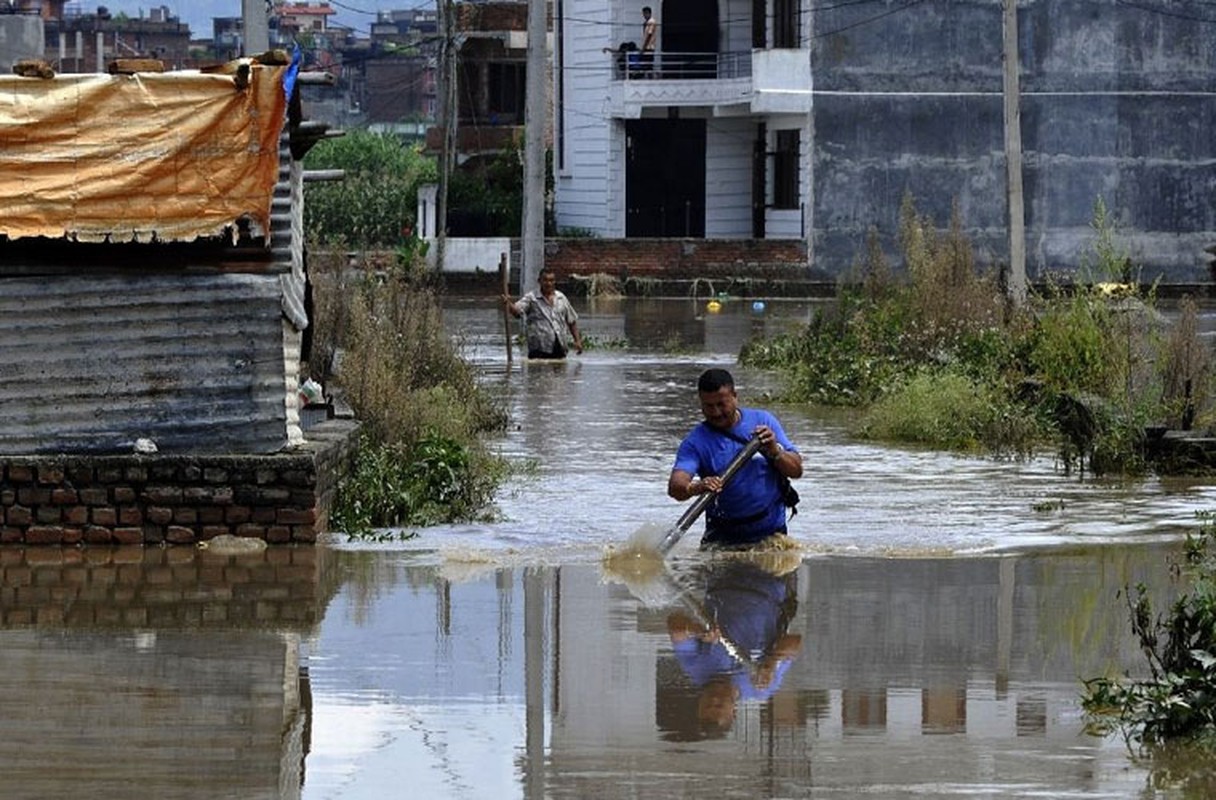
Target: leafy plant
1178, 698
420, 459
394, 485
1076, 367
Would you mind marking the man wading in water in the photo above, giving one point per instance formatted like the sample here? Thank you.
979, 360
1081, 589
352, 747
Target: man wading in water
548, 317
751, 508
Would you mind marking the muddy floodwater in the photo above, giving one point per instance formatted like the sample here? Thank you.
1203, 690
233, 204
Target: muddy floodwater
928, 638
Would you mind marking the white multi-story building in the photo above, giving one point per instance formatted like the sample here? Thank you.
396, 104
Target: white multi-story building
708, 138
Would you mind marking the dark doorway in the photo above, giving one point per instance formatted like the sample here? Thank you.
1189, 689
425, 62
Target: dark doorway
688, 28
665, 178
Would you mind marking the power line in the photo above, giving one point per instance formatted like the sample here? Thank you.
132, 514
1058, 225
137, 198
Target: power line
1162, 12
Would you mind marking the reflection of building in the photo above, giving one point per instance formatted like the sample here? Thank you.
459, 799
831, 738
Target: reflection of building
909, 671
170, 670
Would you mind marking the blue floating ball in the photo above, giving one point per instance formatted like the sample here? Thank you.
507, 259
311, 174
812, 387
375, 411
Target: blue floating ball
758, 306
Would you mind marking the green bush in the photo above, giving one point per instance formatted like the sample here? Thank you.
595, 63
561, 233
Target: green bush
1082, 368
376, 204
949, 410
393, 485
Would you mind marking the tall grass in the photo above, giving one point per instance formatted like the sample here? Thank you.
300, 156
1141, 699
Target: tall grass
379, 335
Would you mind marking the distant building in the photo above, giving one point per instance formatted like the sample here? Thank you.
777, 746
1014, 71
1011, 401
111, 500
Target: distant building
297, 19
77, 42
391, 77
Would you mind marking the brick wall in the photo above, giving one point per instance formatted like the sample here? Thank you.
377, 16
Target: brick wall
155, 499
741, 267
164, 587
679, 259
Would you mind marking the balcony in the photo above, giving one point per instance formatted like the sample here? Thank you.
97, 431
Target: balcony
755, 82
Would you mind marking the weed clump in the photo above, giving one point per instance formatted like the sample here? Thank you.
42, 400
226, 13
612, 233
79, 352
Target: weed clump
380, 337
1176, 700
936, 355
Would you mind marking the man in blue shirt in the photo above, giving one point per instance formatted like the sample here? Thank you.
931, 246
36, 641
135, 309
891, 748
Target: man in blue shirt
751, 507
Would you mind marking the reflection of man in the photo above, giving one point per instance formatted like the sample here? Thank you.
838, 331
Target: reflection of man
650, 39
735, 646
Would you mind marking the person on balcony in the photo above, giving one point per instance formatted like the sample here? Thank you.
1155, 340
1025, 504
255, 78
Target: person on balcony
650, 41
626, 58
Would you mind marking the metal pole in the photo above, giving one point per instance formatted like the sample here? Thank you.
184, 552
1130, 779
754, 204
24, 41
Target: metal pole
1013, 155
536, 112
447, 116
505, 278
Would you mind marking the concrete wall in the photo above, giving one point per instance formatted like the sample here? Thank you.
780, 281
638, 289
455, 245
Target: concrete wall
1117, 102
21, 37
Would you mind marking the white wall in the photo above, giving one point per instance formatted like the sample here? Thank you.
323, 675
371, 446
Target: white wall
591, 183
735, 25
471, 255
728, 177
584, 199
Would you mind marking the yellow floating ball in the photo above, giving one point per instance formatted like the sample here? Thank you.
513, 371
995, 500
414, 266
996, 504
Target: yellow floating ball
713, 306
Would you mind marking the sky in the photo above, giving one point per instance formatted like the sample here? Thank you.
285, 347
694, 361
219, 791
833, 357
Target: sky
357, 14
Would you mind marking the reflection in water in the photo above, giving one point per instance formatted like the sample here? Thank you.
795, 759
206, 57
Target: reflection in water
890, 677
733, 644
154, 672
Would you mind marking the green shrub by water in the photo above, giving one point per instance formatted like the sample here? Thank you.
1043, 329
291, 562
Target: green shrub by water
945, 408
937, 357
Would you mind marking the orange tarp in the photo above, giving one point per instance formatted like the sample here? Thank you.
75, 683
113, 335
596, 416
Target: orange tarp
166, 156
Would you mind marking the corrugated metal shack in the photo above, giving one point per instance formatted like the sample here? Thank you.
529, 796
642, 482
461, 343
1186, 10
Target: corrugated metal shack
153, 289
151, 262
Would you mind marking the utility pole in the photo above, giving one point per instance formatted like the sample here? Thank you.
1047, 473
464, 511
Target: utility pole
1015, 200
448, 50
257, 27
535, 117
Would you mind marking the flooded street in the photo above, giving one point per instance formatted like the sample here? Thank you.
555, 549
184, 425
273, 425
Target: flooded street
928, 641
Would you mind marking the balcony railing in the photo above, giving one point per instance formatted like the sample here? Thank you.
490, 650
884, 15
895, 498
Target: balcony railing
635, 65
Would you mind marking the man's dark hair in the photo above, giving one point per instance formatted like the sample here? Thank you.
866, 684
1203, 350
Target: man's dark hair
645, 9
712, 380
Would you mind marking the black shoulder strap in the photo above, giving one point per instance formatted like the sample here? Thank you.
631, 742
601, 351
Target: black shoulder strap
788, 493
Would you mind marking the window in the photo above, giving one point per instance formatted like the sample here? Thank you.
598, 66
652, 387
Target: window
506, 90
786, 18
785, 170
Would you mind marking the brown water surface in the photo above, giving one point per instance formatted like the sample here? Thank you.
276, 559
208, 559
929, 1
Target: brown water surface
928, 640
